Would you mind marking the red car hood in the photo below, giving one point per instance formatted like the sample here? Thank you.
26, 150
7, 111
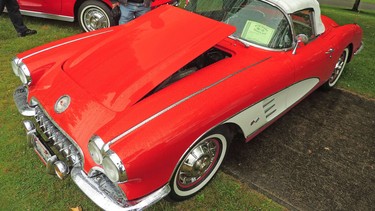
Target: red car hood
129, 63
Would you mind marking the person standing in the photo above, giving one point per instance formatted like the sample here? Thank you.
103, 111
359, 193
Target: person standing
15, 16
131, 9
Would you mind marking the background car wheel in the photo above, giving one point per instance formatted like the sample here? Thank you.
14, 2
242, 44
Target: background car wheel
93, 15
198, 165
339, 68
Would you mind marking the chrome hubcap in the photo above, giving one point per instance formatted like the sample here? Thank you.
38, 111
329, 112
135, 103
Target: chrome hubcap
95, 19
198, 163
338, 69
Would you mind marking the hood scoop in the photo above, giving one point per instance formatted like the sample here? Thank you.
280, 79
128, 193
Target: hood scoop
128, 63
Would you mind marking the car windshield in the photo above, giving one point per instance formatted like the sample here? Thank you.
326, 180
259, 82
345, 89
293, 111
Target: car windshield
257, 23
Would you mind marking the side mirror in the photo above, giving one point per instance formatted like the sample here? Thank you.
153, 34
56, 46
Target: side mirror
302, 39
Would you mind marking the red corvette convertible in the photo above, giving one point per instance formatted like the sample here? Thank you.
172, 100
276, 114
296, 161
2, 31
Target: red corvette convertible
147, 110
91, 14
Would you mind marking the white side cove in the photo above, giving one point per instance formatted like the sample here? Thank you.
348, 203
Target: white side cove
258, 115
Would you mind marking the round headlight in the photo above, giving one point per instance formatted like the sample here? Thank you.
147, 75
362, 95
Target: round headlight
24, 73
95, 153
114, 168
111, 170
23, 77
95, 148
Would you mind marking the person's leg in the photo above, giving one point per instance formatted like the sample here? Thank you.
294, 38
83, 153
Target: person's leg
15, 16
2, 5
141, 11
127, 13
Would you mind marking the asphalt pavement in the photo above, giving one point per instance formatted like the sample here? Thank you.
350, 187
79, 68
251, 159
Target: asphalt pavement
319, 156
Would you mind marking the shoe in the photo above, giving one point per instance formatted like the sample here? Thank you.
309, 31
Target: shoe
27, 32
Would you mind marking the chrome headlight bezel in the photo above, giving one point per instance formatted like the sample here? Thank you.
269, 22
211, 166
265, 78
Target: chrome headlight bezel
114, 168
15, 62
95, 147
21, 70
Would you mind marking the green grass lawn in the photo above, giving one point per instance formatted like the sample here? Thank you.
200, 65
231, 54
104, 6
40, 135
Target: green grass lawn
368, 1
26, 186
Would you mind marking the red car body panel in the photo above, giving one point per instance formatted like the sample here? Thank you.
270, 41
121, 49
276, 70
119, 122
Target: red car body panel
108, 74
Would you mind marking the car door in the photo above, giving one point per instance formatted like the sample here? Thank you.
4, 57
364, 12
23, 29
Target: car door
269, 83
313, 60
42, 6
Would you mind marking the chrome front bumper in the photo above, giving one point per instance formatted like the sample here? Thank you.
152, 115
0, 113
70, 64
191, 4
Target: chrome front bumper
93, 190
20, 99
52, 148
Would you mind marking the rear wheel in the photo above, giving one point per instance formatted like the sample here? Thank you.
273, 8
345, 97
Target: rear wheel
198, 165
93, 15
339, 68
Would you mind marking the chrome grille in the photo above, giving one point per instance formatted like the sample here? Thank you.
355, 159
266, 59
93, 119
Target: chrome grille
55, 138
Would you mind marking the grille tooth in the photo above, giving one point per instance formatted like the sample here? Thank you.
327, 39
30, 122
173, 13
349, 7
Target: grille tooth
58, 142
54, 136
41, 125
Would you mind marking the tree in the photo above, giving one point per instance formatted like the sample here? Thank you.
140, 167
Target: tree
356, 5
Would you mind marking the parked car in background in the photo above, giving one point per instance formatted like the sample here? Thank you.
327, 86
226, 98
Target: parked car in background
90, 14
147, 110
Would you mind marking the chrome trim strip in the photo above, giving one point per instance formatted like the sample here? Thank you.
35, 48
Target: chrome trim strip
248, 44
359, 49
65, 43
92, 190
47, 15
107, 145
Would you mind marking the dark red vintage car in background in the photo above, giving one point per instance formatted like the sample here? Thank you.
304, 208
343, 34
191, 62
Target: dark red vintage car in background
91, 14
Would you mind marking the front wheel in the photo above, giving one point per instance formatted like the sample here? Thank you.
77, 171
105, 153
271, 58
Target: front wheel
339, 68
93, 15
198, 165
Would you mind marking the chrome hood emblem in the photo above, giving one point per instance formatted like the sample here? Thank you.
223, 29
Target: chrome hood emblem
62, 104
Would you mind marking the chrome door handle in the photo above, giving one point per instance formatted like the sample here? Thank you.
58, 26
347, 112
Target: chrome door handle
330, 51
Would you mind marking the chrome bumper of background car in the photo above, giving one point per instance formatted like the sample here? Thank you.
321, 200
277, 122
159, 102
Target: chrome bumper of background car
359, 49
94, 191
60, 154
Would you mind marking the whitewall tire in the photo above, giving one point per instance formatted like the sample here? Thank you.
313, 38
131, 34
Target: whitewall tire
198, 166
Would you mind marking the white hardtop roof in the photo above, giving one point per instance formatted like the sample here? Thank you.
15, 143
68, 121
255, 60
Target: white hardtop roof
291, 6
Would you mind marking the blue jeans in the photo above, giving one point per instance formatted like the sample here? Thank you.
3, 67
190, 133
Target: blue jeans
132, 11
